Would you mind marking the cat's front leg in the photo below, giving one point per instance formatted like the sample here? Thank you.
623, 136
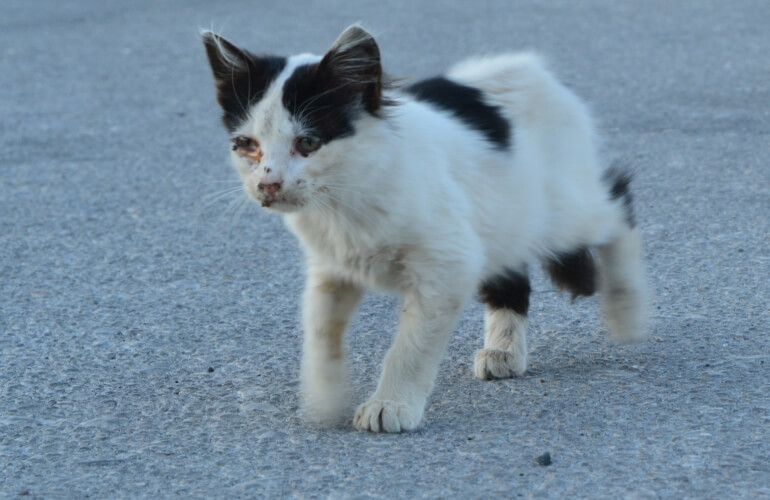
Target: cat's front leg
328, 305
411, 364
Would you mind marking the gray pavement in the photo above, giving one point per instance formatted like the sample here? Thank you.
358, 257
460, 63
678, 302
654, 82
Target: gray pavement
149, 340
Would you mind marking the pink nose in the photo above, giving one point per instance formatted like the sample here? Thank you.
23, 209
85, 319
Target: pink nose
270, 189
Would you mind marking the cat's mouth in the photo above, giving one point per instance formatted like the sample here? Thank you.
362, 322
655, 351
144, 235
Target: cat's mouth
276, 197
282, 204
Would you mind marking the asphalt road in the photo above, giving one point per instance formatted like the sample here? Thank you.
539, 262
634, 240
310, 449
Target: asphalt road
149, 338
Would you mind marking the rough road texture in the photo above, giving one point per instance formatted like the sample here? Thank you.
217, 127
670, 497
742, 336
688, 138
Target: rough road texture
149, 337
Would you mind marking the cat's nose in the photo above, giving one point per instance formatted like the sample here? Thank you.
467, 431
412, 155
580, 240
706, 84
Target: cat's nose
270, 189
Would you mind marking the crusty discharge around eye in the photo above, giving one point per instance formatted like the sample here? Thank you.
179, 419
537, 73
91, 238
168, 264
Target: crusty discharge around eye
254, 153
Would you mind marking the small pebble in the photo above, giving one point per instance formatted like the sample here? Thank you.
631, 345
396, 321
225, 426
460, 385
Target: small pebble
544, 459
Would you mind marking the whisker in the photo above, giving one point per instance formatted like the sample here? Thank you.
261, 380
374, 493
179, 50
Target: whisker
318, 96
351, 212
231, 189
235, 92
213, 198
242, 206
230, 216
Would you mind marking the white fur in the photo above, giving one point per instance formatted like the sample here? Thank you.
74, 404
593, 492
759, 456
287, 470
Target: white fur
419, 204
328, 307
505, 345
623, 286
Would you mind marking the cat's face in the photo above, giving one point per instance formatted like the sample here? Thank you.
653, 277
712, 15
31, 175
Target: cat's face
289, 118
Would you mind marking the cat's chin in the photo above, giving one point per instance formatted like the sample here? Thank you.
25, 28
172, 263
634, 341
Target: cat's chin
280, 206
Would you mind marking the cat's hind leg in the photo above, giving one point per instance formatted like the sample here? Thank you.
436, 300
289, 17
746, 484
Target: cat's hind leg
328, 305
621, 273
505, 339
623, 288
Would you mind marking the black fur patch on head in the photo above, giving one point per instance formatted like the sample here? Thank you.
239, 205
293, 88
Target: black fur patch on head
323, 104
241, 78
326, 97
575, 271
467, 104
618, 179
509, 290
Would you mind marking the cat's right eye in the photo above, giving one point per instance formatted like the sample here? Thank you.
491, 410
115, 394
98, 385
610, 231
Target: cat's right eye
244, 143
247, 148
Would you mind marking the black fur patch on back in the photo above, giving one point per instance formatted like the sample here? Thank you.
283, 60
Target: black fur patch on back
618, 179
467, 104
509, 290
325, 105
575, 271
241, 78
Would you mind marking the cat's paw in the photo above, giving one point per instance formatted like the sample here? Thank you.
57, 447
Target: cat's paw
496, 363
325, 393
625, 314
379, 415
326, 409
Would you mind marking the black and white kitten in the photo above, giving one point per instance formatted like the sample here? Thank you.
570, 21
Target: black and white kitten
446, 187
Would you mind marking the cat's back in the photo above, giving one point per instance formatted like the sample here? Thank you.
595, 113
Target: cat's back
518, 145
467, 105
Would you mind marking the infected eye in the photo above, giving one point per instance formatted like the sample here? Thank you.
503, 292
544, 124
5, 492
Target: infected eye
307, 144
247, 148
244, 143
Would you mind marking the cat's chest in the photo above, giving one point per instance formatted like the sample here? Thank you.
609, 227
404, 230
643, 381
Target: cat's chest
357, 255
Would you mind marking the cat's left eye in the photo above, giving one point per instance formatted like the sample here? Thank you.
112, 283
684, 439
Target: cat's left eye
308, 144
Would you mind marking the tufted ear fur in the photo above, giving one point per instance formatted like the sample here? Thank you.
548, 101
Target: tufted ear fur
354, 59
224, 57
241, 78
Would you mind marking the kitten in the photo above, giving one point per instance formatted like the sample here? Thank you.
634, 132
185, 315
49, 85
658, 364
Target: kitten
446, 187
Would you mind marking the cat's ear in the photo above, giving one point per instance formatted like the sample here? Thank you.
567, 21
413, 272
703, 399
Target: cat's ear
230, 66
241, 78
355, 59
224, 57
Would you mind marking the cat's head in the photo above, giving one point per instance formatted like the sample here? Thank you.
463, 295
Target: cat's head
290, 118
